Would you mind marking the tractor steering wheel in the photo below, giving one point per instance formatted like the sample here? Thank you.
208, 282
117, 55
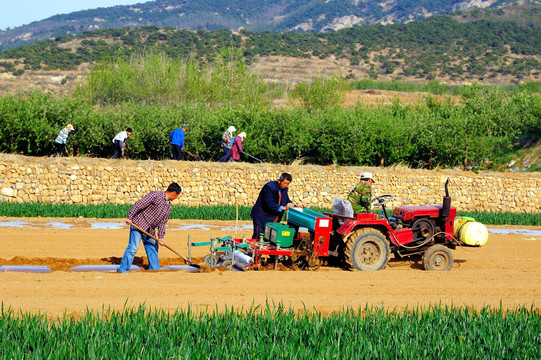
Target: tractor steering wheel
381, 200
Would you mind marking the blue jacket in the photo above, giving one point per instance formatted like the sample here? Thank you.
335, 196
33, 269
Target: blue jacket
177, 137
266, 207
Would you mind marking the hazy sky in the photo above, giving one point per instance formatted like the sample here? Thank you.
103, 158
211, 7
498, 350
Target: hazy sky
20, 12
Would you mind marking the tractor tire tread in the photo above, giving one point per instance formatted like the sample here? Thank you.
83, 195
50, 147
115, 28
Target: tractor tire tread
350, 244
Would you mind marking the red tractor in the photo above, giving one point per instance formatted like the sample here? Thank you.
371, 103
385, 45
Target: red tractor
358, 242
365, 242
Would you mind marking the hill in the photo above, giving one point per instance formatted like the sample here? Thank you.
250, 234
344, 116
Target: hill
443, 48
254, 15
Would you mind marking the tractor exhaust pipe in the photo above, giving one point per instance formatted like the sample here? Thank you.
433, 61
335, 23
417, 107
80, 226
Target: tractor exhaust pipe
446, 207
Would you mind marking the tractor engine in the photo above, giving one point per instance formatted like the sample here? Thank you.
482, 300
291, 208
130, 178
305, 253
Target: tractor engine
428, 220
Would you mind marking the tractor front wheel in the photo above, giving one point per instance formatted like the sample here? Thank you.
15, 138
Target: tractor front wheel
367, 250
438, 258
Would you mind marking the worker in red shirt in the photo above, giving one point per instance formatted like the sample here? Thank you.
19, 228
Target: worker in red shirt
149, 213
236, 149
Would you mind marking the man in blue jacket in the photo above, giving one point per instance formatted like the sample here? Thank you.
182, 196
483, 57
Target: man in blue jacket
271, 204
177, 141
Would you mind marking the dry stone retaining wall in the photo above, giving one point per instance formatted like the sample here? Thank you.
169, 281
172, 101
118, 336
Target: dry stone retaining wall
100, 181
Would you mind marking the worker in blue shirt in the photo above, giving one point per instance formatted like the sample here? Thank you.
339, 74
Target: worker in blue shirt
271, 203
177, 141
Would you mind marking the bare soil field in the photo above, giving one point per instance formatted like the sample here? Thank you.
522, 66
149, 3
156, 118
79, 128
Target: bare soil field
506, 272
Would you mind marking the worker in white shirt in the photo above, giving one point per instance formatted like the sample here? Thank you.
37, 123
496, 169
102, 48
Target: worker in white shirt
119, 143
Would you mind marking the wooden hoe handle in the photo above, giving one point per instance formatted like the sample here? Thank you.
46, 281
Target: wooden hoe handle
167, 246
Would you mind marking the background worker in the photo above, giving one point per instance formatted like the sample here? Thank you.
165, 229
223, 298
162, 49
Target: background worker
149, 213
61, 139
236, 149
361, 196
227, 143
119, 143
177, 142
271, 204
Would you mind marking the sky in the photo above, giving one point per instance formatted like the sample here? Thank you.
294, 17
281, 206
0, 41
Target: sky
15, 13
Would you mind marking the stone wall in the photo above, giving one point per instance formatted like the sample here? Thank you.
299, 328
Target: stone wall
99, 181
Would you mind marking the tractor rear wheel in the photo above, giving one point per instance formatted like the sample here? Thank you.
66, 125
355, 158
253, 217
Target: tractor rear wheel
438, 258
367, 250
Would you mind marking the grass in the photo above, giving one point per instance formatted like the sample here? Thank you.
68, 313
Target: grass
527, 158
438, 88
275, 333
217, 212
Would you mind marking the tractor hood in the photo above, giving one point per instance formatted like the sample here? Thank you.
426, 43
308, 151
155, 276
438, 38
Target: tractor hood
407, 213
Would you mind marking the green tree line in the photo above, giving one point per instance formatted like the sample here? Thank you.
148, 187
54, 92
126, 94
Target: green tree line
154, 94
484, 124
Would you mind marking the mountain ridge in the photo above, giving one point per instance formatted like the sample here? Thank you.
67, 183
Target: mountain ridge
254, 15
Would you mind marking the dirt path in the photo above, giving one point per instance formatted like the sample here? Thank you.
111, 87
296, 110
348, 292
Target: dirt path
506, 271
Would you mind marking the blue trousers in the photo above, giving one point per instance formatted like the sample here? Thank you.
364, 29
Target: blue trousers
177, 152
227, 155
258, 229
117, 149
151, 248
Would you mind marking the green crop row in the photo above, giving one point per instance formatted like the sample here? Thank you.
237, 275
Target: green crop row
275, 333
504, 218
111, 211
216, 212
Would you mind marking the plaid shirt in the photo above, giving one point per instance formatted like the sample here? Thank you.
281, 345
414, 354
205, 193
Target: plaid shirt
151, 212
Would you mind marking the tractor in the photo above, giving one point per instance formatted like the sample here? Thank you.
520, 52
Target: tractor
358, 241
365, 241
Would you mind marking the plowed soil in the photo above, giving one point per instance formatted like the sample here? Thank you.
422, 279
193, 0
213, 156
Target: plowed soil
506, 272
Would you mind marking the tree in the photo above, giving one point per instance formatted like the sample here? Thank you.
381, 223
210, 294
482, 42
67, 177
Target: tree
321, 93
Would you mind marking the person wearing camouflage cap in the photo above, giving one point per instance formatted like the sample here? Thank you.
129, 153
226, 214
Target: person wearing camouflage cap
360, 197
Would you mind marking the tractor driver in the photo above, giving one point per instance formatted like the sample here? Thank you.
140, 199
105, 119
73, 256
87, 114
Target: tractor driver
360, 197
271, 203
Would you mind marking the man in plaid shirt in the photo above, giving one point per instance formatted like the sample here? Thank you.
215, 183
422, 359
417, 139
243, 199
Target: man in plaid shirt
149, 213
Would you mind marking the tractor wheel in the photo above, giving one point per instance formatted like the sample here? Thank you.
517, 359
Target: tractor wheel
438, 258
367, 250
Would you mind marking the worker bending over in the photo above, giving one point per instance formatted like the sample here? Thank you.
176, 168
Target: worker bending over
149, 213
271, 203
